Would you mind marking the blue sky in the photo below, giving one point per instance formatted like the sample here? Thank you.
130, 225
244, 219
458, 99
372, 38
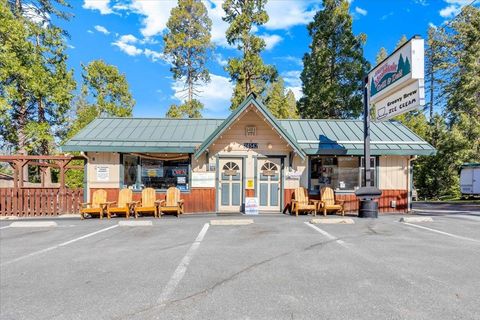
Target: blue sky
128, 34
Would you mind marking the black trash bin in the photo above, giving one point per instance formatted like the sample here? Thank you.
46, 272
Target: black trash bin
368, 207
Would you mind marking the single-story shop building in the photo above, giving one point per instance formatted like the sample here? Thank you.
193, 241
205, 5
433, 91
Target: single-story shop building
217, 163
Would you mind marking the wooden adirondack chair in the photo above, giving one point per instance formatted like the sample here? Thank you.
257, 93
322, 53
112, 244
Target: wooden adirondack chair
148, 203
97, 206
302, 203
172, 203
124, 204
328, 202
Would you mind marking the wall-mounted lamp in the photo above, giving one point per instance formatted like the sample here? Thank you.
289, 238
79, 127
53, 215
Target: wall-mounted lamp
269, 146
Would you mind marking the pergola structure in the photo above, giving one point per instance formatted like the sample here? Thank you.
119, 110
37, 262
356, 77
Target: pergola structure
61, 162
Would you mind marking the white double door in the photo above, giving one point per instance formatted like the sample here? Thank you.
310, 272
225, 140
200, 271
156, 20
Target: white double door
269, 184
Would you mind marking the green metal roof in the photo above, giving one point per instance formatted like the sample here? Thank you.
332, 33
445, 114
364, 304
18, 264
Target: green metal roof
142, 135
311, 137
346, 137
250, 100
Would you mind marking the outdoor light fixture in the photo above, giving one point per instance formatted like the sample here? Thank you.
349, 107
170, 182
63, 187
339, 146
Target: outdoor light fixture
269, 146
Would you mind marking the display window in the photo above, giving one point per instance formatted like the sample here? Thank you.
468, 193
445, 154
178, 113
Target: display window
161, 174
338, 173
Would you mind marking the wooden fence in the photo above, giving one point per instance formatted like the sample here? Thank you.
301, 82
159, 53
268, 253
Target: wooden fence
39, 201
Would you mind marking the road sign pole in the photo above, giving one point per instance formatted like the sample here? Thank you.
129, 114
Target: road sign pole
366, 136
368, 207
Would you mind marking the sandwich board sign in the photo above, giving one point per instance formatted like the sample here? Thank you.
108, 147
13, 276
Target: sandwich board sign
396, 85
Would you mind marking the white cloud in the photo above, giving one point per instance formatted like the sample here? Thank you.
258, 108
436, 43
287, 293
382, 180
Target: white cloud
271, 40
219, 27
386, 16
155, 13
288, 13
432, 25
454, 7
293, 82
102, 29
101, 5
125, 44
450, 11
36, 16
361, 11
220, 59
89, 31
153, 55
216, 101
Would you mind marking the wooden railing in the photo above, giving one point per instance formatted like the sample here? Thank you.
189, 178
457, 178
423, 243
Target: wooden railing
39, 201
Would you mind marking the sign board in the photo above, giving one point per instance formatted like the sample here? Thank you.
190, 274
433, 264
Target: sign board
203, 179
230, 172
251, 145
269, 172
403, 67
293, 175
251, 205
103, 173
407, 98
250, 184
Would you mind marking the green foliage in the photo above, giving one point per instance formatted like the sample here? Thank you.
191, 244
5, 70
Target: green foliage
105, 91
189, 109
381, 55
332, 78
35, 84
282, 104
187, 42
400, 42
249, 72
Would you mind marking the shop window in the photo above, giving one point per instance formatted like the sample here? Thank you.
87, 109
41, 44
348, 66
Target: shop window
338, 173
155, 173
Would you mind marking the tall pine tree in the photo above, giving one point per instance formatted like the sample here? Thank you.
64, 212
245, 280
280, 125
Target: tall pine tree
250, 73
187, 42
332, 78
280, 102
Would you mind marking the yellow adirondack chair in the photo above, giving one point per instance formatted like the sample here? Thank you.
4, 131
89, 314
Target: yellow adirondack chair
148, 204
172, 203
328, 202
124, 204
302, 203
97, 206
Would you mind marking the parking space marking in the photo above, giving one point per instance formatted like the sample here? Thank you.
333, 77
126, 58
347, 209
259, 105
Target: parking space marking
328, 235
182, 267
442, 232
5, 227
57, 246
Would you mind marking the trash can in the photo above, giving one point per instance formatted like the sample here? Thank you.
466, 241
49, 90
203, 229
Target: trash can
368, 207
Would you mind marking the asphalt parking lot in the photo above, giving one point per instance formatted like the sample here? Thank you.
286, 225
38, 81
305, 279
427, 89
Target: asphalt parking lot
279, 267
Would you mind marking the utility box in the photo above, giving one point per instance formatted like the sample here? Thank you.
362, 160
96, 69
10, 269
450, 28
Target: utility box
470, 179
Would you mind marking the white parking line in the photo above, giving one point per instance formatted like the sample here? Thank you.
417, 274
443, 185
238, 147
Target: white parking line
441, 232
182, 267
328, 235
4, 227
57, 246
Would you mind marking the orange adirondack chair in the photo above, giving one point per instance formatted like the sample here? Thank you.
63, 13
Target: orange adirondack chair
172, 203
302, 203
124, 204
148, 204
97, 206
328, 202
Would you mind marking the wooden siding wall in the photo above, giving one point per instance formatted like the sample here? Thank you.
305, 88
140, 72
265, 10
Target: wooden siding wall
393, 172
198, 200
39, 201
351, 202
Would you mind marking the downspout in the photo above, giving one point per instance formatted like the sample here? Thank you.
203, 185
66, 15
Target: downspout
86, 187
410, 184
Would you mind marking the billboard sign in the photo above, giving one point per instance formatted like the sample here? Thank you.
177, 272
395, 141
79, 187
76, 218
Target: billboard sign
401, 68
406, 99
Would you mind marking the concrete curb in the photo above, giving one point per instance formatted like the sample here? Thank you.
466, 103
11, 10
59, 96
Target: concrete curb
231, 222
416, 219
33, 224
9, 218
142, 223
333, 221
